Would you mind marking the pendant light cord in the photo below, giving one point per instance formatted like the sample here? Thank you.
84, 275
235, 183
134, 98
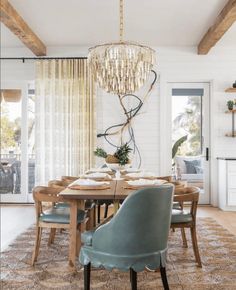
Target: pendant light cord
121, 20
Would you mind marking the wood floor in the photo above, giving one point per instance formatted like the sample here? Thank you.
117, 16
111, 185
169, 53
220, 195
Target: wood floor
15, 219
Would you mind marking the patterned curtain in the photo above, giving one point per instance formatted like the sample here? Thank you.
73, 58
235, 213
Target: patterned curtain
65, 118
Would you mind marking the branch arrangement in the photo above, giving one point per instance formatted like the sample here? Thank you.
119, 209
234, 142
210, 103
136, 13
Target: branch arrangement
119, 129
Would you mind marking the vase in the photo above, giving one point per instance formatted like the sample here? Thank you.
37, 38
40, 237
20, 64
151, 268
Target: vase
234, 85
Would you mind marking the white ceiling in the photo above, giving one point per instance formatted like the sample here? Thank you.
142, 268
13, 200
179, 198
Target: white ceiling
90, 22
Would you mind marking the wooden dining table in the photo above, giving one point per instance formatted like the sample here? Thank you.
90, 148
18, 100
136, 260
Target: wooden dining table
76, 197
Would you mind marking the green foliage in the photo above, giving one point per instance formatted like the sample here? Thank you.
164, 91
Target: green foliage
190, 121
230, 105
7, 133
177, 144
122, 153
99, 152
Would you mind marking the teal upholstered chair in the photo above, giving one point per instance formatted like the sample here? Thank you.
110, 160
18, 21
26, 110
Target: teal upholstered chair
135, 238
53, 217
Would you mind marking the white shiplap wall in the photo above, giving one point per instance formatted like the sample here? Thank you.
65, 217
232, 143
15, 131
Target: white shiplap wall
175, 64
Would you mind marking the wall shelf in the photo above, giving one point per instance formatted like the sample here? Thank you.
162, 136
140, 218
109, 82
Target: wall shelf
230, 90
230, 111
230, 135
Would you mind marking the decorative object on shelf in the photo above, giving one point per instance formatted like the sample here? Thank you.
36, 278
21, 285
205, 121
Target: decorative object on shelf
233, 132
121, 67
121, 155
234, 85
230, 105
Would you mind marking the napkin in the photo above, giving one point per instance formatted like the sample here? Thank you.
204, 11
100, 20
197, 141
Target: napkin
97, 175
88, 182
130, 170
94, 170
140, 174
141, 182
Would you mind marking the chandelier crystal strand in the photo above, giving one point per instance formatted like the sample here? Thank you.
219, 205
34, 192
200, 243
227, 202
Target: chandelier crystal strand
122, 67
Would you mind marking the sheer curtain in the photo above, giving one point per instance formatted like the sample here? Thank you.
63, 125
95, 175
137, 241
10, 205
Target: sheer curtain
65, 118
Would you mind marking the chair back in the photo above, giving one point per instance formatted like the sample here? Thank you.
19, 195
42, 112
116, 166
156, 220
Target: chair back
45, 194
69, 179
190, 196
140, 226
60, 184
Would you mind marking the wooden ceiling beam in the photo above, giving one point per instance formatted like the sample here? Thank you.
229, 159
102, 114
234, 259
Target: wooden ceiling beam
223, 22
10, 17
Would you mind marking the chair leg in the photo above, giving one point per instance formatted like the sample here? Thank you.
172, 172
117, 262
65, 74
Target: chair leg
106, 211
195, 246
87, 269
94, 216
37, 245
133, 279
164, 278
52, 236
78, 242
99, 208
90, 225
185, 243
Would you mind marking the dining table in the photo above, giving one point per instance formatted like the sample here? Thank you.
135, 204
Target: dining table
117, 191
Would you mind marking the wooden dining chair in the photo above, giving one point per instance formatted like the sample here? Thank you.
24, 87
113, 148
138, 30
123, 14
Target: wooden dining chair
99, 203
53, 218
183, 218
90, 206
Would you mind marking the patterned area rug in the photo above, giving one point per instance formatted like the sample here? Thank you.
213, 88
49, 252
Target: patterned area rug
217, 249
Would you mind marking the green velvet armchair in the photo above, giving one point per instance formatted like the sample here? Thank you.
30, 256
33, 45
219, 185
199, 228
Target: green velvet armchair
134, 239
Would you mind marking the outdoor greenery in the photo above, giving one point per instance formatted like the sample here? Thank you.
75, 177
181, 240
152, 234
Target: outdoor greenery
10, 130
188, 122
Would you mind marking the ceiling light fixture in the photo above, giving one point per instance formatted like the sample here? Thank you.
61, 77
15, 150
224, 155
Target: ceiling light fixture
122, 67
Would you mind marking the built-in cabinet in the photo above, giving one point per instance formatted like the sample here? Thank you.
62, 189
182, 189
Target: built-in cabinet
227, 183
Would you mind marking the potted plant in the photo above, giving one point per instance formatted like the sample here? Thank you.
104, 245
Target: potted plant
120, 157
230, 105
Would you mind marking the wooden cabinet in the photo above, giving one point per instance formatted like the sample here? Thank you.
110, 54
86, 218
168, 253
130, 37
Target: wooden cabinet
227, 183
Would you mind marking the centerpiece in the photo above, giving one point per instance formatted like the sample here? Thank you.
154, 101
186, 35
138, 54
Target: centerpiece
118, 160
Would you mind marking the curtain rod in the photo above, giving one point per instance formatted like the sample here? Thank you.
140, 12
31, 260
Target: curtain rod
40, 58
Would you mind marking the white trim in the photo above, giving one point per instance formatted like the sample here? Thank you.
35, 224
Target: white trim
165, 129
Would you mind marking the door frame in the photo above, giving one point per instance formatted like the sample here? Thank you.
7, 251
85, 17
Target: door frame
166, 127
23, 196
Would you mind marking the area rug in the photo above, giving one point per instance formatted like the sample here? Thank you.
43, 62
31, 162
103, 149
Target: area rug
217, 249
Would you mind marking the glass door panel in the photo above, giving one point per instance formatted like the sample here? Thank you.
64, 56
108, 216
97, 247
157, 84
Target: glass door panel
13, 179
190, 136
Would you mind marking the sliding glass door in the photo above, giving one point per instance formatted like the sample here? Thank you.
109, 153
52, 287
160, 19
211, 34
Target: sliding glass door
17, 167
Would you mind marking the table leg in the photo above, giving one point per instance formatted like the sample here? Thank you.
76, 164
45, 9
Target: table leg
116, 204
73, 230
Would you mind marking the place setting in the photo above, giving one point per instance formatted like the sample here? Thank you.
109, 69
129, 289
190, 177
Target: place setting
142, 183
98, 176
89, 184
140, 175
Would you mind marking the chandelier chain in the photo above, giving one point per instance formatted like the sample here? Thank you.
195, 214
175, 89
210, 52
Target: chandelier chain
121, 20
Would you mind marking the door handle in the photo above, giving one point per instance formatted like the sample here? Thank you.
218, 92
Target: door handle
207, 154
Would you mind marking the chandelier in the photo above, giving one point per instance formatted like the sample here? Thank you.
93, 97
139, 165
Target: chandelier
122, 67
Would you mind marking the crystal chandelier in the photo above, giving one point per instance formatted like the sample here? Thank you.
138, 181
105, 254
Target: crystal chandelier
122, 67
